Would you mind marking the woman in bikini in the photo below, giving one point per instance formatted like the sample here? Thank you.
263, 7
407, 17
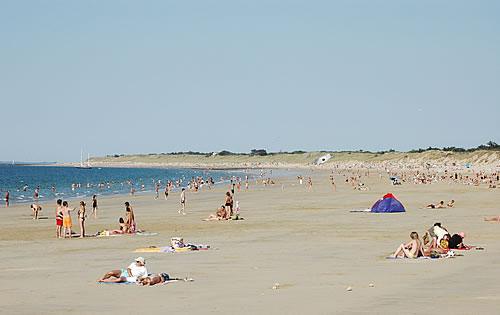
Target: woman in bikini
81, 218
94, 206
130, 222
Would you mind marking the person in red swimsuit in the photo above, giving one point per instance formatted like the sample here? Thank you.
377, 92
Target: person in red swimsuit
59, 218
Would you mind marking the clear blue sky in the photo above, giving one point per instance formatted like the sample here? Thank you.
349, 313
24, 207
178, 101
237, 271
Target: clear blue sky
162, 76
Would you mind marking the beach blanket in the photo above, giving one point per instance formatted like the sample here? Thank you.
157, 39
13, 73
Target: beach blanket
145, 234
105, 234
126, 282
170, 249
163, 283
365, 210
390, 257
465, 248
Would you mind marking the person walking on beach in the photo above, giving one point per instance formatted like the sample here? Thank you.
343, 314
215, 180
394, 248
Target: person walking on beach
59, 218
67, 223
7, 198
166, 192
157, 187
310, 189
183, 201
94, 207
333, 183
81, 218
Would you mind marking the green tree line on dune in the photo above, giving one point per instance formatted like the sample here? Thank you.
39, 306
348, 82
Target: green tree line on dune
490, 146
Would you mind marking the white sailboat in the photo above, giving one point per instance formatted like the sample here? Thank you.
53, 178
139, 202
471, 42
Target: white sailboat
81, 161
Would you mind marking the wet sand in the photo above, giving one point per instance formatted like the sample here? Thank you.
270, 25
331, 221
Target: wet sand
309, 243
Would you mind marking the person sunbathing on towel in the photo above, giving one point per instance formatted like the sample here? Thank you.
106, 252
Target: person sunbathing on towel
135, 271
493, 219
157, 278
440, 205
219, 216
413, 249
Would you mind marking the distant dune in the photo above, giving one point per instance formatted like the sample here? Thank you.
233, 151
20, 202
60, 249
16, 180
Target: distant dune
484, 158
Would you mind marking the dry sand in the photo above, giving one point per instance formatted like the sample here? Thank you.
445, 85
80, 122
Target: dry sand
309, 243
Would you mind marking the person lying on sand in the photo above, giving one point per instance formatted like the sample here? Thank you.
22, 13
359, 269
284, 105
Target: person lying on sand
219, 216
440, 205
157, 278
413, 249
135, 271
493, 219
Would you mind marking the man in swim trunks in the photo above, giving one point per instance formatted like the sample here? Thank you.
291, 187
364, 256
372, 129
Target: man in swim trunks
67, 223
7, 198
135, 271
59, 218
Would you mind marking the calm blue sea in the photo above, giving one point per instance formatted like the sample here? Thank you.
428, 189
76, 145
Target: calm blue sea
15, 178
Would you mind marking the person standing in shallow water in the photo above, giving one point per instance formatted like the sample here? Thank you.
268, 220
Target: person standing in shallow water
7, 198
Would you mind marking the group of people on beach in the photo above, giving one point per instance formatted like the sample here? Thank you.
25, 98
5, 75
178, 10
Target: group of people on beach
441, 205
137, 273
64, 223
441, 242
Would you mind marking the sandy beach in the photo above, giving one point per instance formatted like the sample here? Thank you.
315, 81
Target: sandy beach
308, 242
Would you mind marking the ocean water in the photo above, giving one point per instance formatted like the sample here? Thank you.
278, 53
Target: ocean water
15, 178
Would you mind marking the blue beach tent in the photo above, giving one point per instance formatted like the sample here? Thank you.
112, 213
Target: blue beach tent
388, 204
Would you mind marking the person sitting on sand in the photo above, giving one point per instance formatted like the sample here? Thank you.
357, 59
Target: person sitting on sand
413, 249
157, 278
123, 228
441, 247
451, 203
36, 209
219, 216
135, 271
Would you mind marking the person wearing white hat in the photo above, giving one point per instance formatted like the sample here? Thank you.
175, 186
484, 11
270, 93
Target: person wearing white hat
135, 270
